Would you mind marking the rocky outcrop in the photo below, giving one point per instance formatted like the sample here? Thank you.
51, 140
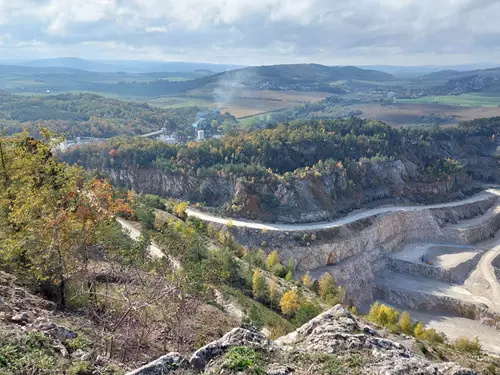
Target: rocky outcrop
456, 274
297, 199
162, 366
335, 332
237, 337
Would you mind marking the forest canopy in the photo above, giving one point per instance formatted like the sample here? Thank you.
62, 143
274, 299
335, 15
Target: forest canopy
288, 148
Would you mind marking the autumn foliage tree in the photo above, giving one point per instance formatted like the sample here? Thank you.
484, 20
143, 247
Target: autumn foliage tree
49, 211
290, 303
307, 280
259, 286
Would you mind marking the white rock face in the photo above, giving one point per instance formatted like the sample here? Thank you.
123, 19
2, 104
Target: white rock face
332, 332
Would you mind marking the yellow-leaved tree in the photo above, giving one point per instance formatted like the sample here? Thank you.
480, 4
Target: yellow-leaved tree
290, 303
259, 286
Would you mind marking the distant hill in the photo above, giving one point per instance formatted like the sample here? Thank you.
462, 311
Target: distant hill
294, 73
442, 74
128, 66
299, 77
16, 70
454, 74
408, 72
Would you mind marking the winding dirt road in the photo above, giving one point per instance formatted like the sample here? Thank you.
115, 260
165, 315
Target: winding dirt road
354, 216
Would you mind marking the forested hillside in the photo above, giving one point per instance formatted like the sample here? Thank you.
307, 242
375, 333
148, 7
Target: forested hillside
320, 166
90, 115
287, 148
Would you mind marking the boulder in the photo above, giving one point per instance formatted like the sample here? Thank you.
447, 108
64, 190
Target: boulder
161, 366
60, 333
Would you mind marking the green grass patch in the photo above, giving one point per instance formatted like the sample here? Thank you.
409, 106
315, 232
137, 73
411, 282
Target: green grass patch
482, 99
243, 358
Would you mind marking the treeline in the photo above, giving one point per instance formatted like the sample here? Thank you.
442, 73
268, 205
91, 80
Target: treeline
295, 148
90, 115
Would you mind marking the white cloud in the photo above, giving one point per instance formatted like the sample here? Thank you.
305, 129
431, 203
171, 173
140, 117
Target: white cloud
255, 31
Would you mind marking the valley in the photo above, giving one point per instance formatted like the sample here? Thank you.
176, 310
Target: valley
271, 199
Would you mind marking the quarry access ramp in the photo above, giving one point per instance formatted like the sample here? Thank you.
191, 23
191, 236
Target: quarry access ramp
350, 218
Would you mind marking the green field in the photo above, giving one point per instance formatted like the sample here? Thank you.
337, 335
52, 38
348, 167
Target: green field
480, 99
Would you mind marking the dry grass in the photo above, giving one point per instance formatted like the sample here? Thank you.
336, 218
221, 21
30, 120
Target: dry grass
245, 103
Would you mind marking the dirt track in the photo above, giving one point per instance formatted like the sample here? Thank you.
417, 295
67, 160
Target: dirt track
354, 216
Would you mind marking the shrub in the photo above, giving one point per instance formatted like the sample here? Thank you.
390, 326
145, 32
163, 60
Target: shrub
327, 285
278, 270
307, 280
405, 323
243, 358
305, 313
466, 345
383, 315
434, 336
79, 343
255, 258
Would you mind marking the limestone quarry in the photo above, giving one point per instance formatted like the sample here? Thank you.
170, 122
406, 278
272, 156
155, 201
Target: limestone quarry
440, 262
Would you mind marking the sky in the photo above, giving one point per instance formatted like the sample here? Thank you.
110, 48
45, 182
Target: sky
255, 32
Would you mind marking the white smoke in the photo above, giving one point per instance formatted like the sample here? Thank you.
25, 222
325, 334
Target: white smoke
230, 85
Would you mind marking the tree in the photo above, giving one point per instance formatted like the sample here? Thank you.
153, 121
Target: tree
307, 280
419, 331
289, 303
259, 286
273, 293
374, 312
273, 264
290, 267
328, 291
179, 210
50, 212
327, 285
405, 323
272, 260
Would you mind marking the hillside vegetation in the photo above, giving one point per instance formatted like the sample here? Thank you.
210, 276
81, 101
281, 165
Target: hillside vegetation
90, 115
329, 165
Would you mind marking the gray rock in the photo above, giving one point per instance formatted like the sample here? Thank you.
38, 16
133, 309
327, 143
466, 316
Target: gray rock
333, 332
161, 366
50, 328
276, 369
237, 337
21, 318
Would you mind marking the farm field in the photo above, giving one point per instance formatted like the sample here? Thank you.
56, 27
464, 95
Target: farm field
411, 114
240, 103
484, 99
